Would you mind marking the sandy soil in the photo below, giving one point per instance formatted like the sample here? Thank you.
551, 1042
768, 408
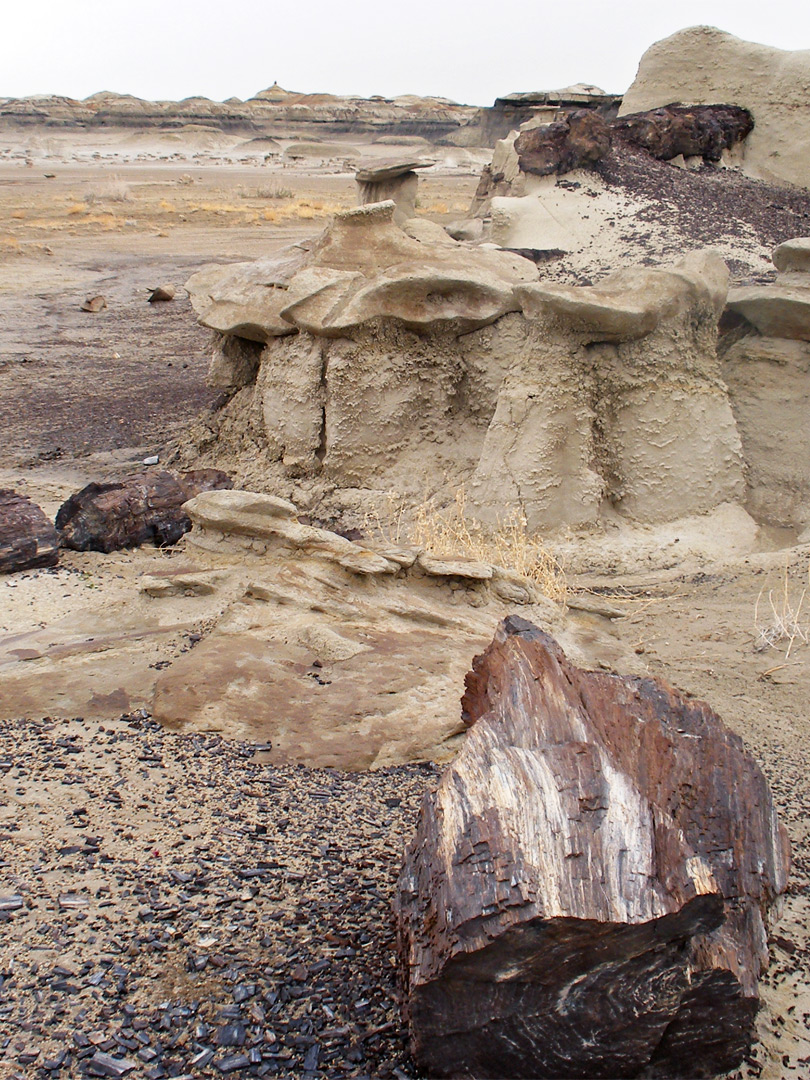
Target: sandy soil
83, 396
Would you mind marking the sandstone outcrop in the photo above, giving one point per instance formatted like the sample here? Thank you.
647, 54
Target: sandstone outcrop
27, 538
588, 889
337, 653
146, 507
767, 371
704, 66
391, 362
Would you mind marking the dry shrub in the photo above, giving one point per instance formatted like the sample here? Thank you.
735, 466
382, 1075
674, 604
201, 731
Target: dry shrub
452, 533
778, 623
77, 208
166, 206
18, 215
271, 216
268, 192
115, 190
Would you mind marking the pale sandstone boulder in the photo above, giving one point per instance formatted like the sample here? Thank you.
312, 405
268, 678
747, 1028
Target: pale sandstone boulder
704, 65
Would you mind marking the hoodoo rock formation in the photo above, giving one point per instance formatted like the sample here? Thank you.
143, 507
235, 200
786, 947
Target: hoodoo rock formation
704, 66
371, 360
767, 370
588, 889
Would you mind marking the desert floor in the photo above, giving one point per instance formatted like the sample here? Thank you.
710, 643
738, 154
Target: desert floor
196, 923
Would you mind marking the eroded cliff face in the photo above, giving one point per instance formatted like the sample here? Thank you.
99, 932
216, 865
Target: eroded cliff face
380, 358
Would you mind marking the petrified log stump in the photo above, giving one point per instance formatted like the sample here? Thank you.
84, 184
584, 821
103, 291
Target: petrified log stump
27, 538
144, 507
588, 888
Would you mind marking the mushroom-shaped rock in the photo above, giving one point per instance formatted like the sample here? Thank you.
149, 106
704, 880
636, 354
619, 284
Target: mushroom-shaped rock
793, 256
632, 302
245, 299
27, 538
393, 179
588, 889
780, 311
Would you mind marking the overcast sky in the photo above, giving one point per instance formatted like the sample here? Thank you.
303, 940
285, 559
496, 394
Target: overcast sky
470, 51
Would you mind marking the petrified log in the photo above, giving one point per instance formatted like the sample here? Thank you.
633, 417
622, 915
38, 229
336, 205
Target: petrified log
147, 506
694, 130
579, 140
27, 538
588, 888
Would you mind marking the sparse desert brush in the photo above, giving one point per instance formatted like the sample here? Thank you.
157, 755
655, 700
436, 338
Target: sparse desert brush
435, 208
167, 207
271, 216
9, 245
77, 208
115, 190
268, 192
451, 532
779, 619
18, 215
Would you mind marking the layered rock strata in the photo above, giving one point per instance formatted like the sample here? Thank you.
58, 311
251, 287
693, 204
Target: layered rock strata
382, 361
588, 889
335, 653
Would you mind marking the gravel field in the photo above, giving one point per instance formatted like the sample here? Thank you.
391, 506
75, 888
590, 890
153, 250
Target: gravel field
171, 906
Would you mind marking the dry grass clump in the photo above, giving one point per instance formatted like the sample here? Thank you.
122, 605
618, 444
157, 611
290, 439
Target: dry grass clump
269, 192
451, 533
115, 190
781, 625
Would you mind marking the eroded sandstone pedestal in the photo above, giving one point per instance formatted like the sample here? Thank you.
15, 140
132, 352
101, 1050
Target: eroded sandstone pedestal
588, 889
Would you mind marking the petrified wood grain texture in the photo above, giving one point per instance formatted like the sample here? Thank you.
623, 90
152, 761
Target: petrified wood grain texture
27, 538
144, 507
588, 888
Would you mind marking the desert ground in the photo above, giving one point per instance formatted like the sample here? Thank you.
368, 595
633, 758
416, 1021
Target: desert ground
168, 833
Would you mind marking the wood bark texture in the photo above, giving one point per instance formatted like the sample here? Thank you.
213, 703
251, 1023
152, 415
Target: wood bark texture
27, 537
587, 892
145, 507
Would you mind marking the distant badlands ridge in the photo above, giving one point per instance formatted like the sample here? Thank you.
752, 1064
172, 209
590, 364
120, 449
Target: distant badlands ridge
275, 109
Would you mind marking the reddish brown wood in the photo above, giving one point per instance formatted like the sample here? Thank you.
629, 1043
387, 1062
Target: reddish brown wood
145, 507
27, 538
588, 889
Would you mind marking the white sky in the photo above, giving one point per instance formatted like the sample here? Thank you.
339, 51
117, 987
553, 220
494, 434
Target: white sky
470, 51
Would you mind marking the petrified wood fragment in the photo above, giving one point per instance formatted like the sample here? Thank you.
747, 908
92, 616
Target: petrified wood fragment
577, 141
588, 889
27, 538
144, 507
692, 130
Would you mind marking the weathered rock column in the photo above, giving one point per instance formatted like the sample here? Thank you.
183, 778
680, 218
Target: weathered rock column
588, 888
392, 179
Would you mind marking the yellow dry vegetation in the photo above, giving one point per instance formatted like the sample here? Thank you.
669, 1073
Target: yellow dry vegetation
450, 532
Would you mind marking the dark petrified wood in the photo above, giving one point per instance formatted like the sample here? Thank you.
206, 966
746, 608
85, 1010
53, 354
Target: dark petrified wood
588, 888
27, 538
577, 141
144, 507
694, 130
